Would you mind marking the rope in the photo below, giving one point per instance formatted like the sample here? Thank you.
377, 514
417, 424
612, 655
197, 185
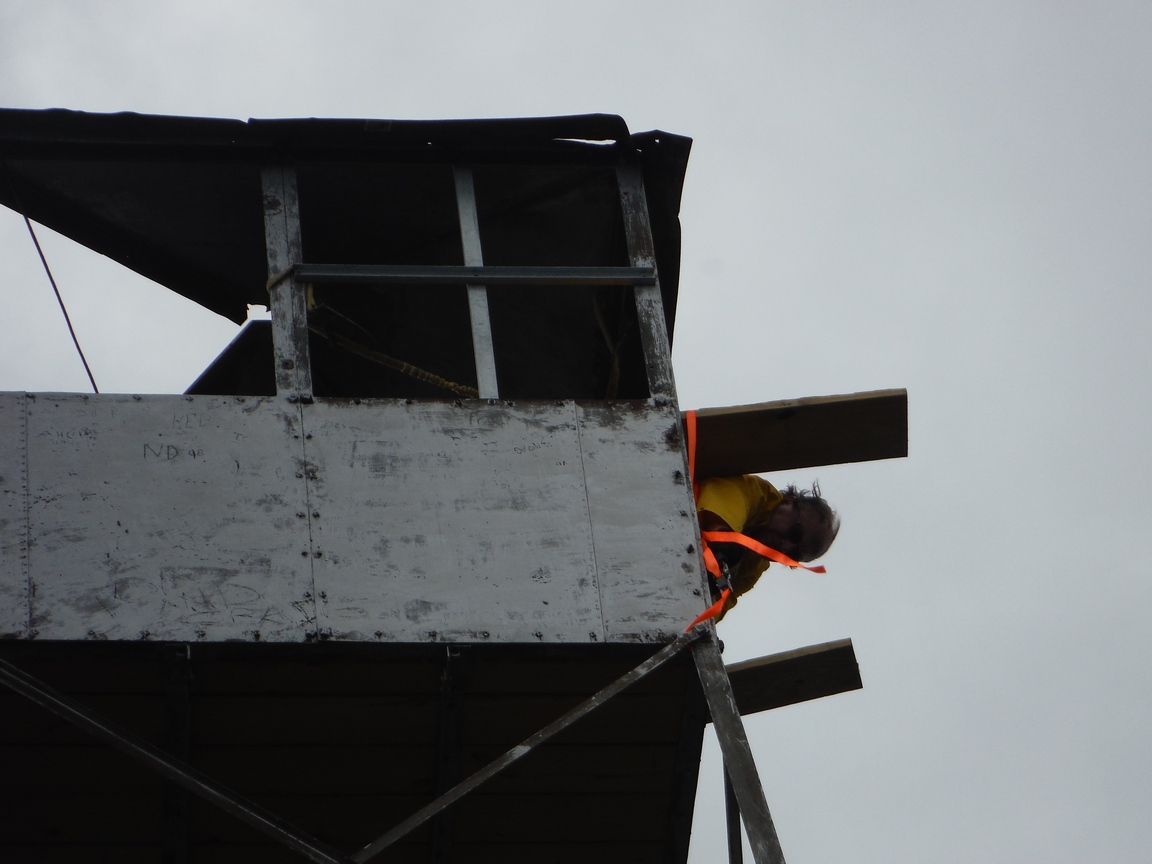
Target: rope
51, 279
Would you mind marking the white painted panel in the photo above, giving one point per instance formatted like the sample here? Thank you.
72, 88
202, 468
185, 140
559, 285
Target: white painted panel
13, 518
198, 518
642, 519
465, 523
167, 517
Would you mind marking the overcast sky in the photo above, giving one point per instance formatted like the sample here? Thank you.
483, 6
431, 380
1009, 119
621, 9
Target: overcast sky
955, 198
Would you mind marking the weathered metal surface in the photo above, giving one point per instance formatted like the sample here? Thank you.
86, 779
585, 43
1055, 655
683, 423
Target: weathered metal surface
286, 299
543, 277
482, 347
642, 518
649, 303
13, 521
242, 518
457, 523
738, 761
165, 517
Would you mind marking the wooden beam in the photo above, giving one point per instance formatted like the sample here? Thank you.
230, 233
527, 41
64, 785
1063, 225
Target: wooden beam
801, 433
739, 764
794, 676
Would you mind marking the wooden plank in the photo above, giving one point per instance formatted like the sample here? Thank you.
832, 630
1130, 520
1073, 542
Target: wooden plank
801, 433
649, 300
795, 676
286, 299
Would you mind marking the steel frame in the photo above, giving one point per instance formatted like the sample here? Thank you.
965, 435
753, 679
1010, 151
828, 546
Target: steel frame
714, 682
293, 379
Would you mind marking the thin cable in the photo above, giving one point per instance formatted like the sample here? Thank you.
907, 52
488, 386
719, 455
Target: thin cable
48, 270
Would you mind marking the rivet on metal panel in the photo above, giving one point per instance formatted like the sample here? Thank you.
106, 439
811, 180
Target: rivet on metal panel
691, 547
286, 364
294, 398
136, 398
484, 634
315, 514
317, 554
379, 634
538, 635
308, 437
678, 476
299, 475
301, 514
696, 591
592, 635
432, 635
304, 554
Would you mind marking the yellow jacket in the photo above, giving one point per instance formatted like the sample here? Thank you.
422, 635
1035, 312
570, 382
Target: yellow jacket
745, 503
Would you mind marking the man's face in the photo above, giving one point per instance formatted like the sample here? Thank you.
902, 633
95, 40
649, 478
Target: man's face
796, 531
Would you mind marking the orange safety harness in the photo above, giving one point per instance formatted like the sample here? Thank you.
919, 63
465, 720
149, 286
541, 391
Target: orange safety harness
710, 562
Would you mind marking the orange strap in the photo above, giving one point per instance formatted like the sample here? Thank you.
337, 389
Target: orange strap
757, 547
712, 611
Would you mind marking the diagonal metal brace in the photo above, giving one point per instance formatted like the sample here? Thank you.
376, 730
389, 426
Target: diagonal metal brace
560, 724
167, 766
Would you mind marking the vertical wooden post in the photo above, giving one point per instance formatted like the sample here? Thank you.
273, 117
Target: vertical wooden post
286, 300
649, 301
738, 762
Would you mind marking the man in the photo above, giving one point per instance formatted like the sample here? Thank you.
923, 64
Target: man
796, 522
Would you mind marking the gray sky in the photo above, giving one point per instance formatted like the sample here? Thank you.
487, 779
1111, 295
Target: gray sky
949, 197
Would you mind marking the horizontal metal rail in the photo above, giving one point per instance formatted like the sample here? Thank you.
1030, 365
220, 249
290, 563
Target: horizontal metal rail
529, 744
403, 274
167, 766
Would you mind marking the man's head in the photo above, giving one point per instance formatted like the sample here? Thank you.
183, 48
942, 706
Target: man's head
802, 526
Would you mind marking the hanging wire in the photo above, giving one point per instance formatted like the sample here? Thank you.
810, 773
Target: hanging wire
51, 279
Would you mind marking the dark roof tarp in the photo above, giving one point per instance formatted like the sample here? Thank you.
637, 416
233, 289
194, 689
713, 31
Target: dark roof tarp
178, 199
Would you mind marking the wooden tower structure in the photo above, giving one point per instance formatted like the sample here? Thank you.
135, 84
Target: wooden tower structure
351, 596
